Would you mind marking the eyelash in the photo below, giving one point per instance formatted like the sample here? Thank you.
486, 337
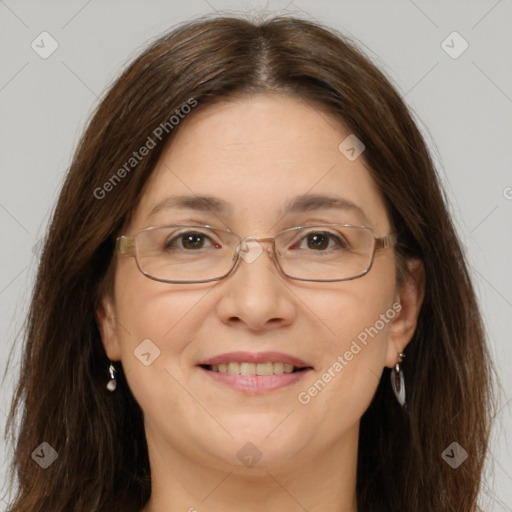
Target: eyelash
339, 241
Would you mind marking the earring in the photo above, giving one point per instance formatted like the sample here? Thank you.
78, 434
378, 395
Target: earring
397, 381
112, 383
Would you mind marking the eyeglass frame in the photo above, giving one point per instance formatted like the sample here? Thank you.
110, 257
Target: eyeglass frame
127, 245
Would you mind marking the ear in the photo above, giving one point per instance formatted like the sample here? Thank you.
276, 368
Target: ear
106, 321
410, 297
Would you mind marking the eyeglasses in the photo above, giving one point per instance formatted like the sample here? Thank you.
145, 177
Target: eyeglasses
185, 253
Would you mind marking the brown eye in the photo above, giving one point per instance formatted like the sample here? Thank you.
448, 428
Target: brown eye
189, 241
321, 241
317, 241
192, 241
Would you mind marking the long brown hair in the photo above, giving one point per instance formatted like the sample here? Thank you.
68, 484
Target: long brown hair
61, 397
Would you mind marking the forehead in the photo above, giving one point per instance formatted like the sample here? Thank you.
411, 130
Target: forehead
257, 154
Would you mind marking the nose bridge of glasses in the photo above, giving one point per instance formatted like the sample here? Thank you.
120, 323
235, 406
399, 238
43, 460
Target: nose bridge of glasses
250, 248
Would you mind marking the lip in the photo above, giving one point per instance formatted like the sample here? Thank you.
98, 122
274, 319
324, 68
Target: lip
256, 384
256, 357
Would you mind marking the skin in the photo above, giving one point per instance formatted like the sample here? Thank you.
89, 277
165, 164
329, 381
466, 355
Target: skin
256, 152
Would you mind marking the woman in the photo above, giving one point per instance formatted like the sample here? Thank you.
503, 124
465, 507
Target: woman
252, 296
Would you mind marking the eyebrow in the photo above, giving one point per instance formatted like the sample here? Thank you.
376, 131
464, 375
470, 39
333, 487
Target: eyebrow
299, 204
193, 202
313, 202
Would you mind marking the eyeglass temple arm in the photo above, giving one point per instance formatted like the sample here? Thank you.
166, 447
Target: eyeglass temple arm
386, 241
126, 245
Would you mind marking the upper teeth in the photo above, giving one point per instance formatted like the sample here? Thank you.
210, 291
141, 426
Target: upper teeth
253, 368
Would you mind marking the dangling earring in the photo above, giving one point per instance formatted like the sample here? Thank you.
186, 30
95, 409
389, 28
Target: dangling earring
112, 383
397, 381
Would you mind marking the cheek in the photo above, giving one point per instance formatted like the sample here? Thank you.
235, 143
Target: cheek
155, 327
149, 309
353, 354
338, 394
354, 307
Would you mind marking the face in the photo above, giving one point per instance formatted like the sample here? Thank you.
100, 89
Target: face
256, 154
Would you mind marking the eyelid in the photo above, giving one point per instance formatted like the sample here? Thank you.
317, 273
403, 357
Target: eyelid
303, 225
182, 224
321, 229
213, 234
190, 222
316, 222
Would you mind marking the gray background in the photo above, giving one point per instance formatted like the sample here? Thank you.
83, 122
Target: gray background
463, 106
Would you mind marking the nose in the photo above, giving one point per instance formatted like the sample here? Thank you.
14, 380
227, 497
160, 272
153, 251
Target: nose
256, 294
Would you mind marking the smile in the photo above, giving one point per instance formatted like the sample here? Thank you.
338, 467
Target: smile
260, 369
254, 379
254, 373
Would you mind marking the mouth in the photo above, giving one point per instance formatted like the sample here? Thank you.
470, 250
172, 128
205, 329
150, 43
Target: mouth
255, 373
259, 369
